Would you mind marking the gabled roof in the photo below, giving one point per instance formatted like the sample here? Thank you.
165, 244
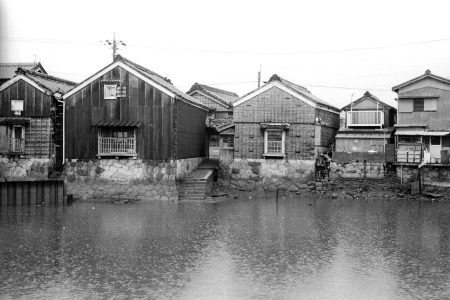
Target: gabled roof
295, 90
8, 70
43, 82
159, 82
414, 80
368, 96
221, 96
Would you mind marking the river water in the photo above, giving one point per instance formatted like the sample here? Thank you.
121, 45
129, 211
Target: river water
296, 248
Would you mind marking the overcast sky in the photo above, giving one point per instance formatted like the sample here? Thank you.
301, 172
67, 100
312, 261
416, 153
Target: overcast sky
334, 48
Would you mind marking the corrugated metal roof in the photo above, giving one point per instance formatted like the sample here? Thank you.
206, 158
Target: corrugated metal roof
363, 135
117, 124
421, 132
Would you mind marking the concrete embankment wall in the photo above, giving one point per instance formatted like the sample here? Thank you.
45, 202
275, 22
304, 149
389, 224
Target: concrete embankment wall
24, 169
433, 178
355, 170
126, 178
268, 174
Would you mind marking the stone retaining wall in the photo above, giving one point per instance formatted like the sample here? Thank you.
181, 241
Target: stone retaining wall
126, 178
268, 174
19, 169
433, 178
356, 170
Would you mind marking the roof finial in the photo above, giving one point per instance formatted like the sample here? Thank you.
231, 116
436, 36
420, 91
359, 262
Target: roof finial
367, 94
275, 77
428, 72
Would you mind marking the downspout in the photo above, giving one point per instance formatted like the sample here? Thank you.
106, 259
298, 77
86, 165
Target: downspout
64, 130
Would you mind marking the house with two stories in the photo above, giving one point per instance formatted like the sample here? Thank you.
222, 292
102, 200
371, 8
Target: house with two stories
280, 130
219, 116
130, 131
367, 133
31, 124
423, 128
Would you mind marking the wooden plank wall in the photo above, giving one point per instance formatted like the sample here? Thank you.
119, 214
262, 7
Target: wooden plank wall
36, 103
142, 103
18, 193
191, 131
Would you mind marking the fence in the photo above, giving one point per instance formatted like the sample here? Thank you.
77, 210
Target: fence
32, 192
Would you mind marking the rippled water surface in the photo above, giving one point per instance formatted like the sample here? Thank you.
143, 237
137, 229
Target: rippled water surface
308, 248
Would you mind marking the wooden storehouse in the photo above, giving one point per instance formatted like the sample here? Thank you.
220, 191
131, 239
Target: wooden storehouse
127, 111
283, 120
220, 115
368, 129
423, 125
31, 121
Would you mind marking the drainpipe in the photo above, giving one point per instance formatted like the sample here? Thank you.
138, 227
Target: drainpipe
64, 130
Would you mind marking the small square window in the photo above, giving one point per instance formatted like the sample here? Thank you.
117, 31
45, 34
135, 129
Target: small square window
17, 107
110, 91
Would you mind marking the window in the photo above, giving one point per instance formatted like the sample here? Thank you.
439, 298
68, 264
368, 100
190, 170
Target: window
16, 139
418, 105
117, 141
409, 139
110, 91
274, 142
17, 107
227, 141
435, 140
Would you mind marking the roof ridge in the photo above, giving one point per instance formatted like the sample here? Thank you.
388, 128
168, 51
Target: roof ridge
142, 68
50, 77
218, 90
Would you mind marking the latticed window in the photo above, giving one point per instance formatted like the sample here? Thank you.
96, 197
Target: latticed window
274, 142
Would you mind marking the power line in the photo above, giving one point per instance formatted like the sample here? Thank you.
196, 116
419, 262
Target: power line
57, 41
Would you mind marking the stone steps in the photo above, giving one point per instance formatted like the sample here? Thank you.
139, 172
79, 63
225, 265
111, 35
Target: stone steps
196, 186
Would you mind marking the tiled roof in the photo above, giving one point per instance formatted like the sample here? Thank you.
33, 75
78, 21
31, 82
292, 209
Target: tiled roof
365, 96
8, 70
224, 96
163, 81
295, 88
51, 83
305, 92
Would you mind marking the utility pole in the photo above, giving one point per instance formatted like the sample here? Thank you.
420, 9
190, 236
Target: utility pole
259, 76
114, 45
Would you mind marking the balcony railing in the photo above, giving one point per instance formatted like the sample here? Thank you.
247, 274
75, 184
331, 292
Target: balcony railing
116, 146
365, 118
16, 145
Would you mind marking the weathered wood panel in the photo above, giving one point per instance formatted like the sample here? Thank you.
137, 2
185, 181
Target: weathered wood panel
142, 102
18, 193
36, 103
191, 134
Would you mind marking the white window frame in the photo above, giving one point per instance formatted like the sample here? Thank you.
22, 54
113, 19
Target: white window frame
107, 91
283, 142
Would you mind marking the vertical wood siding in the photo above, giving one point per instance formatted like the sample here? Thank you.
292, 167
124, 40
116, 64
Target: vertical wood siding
191, 131
153, 108
36, 103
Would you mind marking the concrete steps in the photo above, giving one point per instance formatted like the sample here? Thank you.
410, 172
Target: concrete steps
197, 185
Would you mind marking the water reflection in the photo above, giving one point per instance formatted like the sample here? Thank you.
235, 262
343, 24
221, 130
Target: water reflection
307, 248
